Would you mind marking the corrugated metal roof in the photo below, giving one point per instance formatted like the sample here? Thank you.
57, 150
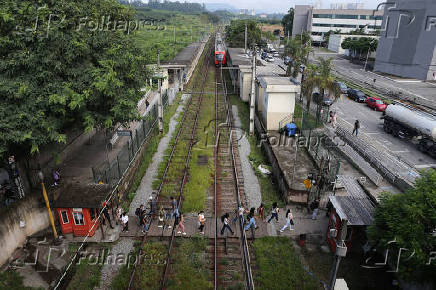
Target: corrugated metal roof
356, 207
81, 195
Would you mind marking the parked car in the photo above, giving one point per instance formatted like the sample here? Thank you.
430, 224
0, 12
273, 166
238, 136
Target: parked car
302, 68
327, 101
276, 54
376, 104
270, 58
356, 95
342, 87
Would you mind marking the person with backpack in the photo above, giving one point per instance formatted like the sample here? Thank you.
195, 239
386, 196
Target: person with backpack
251, 220
225, 220
145, 222
138, 213
274, 213
289, 221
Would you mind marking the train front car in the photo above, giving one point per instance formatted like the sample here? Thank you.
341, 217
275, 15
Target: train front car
220, 51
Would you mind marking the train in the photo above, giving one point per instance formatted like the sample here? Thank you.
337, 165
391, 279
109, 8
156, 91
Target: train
407, 122
220, 54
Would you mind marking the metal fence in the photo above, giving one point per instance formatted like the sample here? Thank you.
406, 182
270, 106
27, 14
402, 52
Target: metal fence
110, 172
311, 126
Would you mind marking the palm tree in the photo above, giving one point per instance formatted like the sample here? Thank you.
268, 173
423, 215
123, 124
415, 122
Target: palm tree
325, 79
310, 84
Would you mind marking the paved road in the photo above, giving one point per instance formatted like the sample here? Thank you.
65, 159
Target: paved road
426, 91
372, 126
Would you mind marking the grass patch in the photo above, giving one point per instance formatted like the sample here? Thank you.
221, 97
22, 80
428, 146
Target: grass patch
86, 276
190, 265
12, 280
279, 266
149, 39
149, 273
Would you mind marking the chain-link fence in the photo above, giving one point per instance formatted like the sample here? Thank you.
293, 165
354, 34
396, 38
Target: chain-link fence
311, 125
110, 172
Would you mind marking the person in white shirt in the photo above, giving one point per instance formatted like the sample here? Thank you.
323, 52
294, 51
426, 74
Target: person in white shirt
289, 221
125, 221
225, 220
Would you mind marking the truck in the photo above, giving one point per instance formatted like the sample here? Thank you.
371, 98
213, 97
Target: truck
407, 122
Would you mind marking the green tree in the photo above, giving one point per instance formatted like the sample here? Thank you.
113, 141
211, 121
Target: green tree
359, 46
409, 219
288, 21
325, 81
66, 71
235, 33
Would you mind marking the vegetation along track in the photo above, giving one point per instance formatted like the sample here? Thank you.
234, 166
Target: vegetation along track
232, 266
176, 170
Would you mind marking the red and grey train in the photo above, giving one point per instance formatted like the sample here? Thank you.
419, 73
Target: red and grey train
220, 54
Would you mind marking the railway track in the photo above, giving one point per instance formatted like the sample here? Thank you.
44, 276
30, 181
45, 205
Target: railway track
232, 255
173, 179
226, 258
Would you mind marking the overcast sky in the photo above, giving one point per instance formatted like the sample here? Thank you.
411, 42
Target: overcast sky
282, 6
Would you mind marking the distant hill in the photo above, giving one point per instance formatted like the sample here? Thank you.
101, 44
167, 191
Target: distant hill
221, 6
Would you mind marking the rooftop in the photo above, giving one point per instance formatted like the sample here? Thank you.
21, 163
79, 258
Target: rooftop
356, 207
81, 195
238, 56
186, 55
274, 80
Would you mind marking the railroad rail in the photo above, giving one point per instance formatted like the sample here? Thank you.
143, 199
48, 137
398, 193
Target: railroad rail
191, 137
228, 189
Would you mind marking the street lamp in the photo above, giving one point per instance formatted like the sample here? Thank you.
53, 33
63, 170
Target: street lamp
47, 203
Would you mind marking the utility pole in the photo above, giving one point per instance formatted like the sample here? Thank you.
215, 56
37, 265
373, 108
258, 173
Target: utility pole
175, 49
191, 33
159, 106
288, 35
245, 37
158, 58
366, 61
253, 89
341, 251
47, 204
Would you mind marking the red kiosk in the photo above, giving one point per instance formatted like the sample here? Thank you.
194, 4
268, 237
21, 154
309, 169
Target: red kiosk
78, 206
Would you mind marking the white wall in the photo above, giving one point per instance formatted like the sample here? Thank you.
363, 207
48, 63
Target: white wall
12, 235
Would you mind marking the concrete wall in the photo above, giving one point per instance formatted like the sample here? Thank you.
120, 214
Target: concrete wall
12, 236
245, 84
278, 105
407, 40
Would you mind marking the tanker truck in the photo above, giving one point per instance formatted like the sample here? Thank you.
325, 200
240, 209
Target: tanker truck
407, 122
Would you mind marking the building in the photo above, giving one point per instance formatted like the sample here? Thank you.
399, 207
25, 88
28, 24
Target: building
408, 40
252, 12
335, 43
275, 100
263, 16
347, 6
78, 206
320, 21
